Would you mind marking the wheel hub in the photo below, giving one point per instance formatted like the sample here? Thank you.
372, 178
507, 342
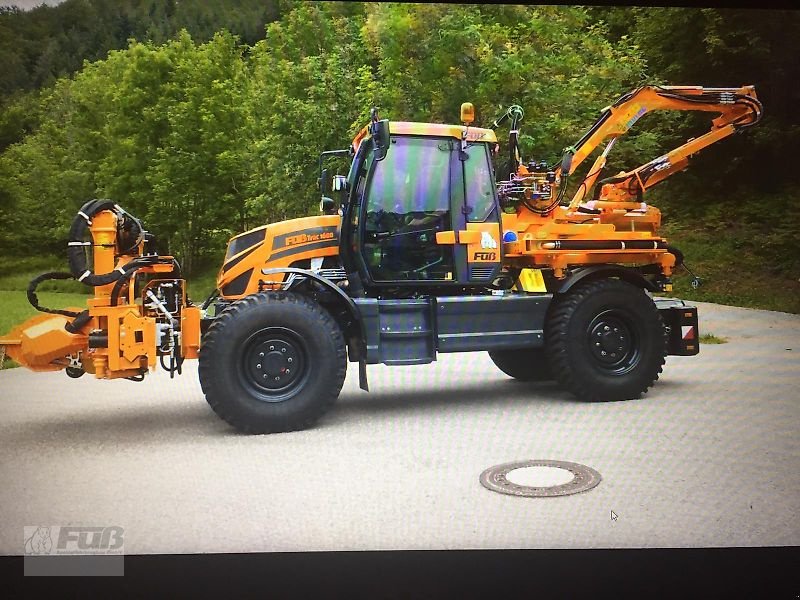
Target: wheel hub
611, 341
274, 363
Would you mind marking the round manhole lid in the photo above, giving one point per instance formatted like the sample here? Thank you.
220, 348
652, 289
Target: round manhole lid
540, 478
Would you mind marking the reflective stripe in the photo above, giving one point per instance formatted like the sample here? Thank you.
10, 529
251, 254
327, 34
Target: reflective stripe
85, 275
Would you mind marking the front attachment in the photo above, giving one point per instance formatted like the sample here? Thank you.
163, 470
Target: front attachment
139, 315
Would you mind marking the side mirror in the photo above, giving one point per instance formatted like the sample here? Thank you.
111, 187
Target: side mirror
324, 181
380, 137
327, 206
339, 183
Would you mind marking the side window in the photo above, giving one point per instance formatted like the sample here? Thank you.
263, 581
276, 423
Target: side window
408, 201
478, 182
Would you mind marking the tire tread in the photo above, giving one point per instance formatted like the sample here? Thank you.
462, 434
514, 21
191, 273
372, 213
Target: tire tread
215, 396
556, 341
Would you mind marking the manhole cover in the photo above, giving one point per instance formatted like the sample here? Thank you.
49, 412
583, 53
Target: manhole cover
540, 478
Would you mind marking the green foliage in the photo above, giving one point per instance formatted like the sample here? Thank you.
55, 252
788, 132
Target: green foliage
213, 120
552, 60
302, 98
157, 127
733, 267
727, 47
45, 43
203, 140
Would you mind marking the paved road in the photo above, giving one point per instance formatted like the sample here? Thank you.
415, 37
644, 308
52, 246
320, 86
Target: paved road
709, 457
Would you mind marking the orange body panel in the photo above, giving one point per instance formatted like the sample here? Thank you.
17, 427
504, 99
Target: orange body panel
484, 247
281, 245
190, 331
41, 340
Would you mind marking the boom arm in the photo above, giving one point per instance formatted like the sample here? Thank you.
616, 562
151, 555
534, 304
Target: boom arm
737, 108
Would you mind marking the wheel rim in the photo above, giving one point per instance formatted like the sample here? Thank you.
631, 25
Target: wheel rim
274, 364
613, 339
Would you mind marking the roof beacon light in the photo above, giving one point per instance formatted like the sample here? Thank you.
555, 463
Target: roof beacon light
467, 113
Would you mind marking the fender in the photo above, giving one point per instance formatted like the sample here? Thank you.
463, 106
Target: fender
351, 307
623, 273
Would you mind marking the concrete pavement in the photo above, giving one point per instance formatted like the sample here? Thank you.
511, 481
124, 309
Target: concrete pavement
709, 457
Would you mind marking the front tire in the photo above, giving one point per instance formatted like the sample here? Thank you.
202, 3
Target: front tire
272, 362
606, 341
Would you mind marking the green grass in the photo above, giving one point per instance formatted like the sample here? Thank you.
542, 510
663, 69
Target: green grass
16, 273
732, 272
710, 338
201, 284
14, 306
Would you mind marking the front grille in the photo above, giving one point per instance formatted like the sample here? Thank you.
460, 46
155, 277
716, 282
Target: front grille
337, 274
238, 286
481, 272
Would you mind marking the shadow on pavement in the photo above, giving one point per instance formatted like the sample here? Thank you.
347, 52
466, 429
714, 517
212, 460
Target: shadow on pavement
170, 423
115, 426
511, 391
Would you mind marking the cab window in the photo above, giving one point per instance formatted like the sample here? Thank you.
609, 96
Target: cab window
407, 202
478, 182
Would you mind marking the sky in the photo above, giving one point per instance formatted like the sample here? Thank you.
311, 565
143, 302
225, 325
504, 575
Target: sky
28, 4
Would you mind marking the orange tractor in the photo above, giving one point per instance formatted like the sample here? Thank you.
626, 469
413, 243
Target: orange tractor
418, 251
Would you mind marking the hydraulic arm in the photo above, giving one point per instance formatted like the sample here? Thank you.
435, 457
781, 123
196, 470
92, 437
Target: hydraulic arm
737, 108
616, 226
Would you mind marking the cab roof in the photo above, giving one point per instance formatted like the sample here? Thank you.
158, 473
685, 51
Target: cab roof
474, 134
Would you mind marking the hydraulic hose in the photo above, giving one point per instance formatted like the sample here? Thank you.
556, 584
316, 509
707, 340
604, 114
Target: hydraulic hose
135, 265
34, 300
77, 258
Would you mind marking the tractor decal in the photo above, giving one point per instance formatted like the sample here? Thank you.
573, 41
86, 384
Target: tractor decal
304, 240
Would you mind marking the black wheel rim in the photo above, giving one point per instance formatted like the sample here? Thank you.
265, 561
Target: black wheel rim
614, 342
274, 364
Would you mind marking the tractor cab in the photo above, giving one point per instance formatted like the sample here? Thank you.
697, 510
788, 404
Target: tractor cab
422, 206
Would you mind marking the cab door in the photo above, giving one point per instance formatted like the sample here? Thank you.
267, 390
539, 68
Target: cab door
479, 239
407, 201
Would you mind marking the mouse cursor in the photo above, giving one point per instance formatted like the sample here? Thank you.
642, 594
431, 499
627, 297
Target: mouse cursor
614, 516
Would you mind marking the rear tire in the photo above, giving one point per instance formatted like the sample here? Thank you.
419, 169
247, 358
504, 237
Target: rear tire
529, 364
606, 341
271, 362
